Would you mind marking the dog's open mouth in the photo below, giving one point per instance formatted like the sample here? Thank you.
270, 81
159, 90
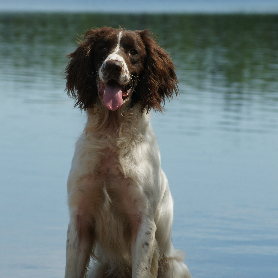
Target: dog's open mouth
113, 94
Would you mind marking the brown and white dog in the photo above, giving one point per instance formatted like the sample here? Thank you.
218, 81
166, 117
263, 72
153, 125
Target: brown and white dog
121, 209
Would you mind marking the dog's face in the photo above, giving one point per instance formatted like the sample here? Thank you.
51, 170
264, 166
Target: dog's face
119, 68
120, 61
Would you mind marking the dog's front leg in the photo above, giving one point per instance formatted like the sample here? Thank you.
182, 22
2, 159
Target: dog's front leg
145, 251
79, 247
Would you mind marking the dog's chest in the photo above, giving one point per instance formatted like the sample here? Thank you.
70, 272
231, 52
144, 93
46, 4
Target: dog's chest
117, 213
114, 187
109, 166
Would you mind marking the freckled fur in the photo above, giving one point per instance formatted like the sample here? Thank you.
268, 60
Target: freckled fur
120, 205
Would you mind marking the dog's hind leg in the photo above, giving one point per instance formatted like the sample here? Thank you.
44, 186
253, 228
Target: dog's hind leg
172, 266
98, 270
102, 270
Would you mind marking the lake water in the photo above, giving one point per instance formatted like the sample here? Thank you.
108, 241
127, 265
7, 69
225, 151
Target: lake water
218, 139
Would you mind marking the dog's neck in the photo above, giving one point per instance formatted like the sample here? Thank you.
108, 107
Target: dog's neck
121, 128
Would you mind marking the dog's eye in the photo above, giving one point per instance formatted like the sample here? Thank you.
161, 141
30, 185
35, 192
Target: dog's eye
133, 52
103, 48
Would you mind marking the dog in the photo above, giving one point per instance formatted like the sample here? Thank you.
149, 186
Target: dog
120, 205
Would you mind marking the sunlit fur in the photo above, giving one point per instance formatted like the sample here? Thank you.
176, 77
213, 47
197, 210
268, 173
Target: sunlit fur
121, 209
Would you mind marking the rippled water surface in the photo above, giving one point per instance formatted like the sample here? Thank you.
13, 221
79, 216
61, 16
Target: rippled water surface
218, 139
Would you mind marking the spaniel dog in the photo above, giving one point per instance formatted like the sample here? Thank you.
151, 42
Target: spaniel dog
120, 205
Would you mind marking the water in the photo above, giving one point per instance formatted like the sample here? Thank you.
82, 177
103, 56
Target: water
218, 139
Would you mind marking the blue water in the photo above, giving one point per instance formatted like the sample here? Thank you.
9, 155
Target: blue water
218, 140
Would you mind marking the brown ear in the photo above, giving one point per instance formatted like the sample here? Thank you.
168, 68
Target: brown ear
158, 81
81, 75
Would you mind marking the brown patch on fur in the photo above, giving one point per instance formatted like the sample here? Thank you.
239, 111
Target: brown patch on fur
81, 72
158, 81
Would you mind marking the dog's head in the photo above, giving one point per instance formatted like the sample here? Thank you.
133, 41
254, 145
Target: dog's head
120, 68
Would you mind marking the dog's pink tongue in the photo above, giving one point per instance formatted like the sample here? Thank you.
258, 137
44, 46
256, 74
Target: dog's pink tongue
113, 96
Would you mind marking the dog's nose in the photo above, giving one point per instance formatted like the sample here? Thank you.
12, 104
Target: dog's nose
113, 68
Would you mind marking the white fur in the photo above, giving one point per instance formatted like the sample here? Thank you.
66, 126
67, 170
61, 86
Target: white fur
120, 156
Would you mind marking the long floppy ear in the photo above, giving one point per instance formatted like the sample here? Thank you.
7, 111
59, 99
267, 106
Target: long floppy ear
80, 73
158, 81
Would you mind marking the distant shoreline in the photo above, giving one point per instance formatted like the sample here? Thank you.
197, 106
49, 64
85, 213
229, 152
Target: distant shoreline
153, 7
